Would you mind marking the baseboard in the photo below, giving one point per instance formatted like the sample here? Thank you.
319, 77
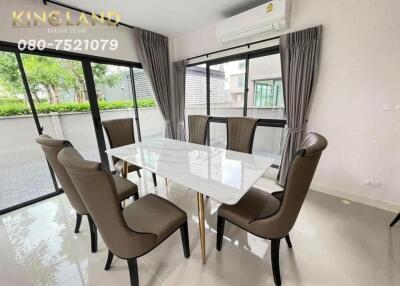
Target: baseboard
388, 206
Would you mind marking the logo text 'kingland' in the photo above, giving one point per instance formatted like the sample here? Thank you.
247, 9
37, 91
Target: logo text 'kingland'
58, 18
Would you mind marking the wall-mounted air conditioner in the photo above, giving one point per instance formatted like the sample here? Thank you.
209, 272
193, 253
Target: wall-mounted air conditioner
266, 19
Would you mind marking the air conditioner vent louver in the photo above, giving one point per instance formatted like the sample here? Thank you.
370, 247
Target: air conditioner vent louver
262, 20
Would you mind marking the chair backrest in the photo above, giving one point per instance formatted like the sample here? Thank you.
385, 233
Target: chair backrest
240, 134
198, 125
300, 175
97, 189
119, 132
51, 147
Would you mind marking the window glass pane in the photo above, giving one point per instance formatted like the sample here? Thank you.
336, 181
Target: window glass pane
59, 91
114, 91
24, 174
265, 100
226, 96
196, 92
151, 120
269, 141
218, 134
265, 96
113, 86
227, 88
114, 94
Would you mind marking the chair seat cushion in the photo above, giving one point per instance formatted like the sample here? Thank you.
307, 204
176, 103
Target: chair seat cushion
120, 165
254, 204
153, 214
125, 188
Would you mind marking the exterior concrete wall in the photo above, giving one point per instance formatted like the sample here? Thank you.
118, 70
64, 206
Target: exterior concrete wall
17, 143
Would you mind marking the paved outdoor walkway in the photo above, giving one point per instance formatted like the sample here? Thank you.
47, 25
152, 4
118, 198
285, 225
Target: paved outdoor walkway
24, 181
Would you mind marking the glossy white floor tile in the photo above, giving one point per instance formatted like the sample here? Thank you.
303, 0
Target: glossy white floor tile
333, 244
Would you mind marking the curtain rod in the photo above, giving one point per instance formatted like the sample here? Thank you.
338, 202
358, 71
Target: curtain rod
83, 11
232, 48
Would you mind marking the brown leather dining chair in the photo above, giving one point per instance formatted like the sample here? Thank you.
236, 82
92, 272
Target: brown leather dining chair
240, 134
198, 125
133, 231
272, 216
120, 132
125, 189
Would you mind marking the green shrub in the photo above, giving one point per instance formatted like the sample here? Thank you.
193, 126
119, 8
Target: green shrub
7, 101
19, 108
146, 102
14, 109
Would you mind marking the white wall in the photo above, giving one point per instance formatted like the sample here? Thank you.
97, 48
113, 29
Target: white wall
358, 74
126, 49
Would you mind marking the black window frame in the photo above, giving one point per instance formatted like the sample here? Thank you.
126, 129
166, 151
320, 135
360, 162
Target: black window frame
86, 61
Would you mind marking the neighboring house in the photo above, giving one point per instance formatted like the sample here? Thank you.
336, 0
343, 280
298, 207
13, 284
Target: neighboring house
227, 83
123, 91
120, 91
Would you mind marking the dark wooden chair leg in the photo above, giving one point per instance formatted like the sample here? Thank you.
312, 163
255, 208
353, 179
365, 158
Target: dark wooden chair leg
138, 173
396, 219
109, 261
93, 234
78, 222
220, 232
289, 243
275, 261
185, 239
133, 271
154, 179
136, 196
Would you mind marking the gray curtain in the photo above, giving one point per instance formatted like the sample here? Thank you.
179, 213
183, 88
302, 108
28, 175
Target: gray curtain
153, 54
178, 107
299, 52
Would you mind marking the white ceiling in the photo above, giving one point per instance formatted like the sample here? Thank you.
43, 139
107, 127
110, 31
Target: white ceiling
168, 17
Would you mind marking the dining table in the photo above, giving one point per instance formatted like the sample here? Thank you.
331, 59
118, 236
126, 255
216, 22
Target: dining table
220, 174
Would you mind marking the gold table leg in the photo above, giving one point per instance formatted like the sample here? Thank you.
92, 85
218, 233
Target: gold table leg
200, 207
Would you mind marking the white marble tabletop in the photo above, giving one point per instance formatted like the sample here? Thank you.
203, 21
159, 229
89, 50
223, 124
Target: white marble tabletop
221, 174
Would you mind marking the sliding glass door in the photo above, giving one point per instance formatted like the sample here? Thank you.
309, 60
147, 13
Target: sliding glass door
265, 100
114, 95
59, 91
151, 120
24, 173
226, 96
195, 91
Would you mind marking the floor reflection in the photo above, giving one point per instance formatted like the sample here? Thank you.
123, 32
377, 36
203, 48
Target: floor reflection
333, 244
44, 246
